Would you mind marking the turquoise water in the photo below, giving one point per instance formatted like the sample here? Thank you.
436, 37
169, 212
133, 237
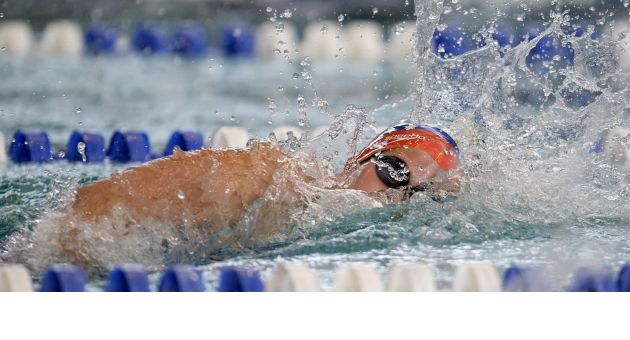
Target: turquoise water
533, 194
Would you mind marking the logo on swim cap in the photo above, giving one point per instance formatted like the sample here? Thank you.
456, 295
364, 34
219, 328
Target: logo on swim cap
434, 141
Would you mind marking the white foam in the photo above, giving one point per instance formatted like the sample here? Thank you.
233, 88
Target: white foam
323, 40
275, 41
364, 40
16, 37
400, 43
411, 278
292, 277
3, 149
358, 278
477, 277
282, 132
62, 38
229, 137
614, 147
15, 278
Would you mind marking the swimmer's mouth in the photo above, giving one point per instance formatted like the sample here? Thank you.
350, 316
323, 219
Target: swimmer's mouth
425, 188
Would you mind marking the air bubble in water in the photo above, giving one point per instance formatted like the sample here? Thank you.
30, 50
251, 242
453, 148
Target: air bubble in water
78, 110
340, 18
324, 29
295, 76
269, 9
374, 11
180, 195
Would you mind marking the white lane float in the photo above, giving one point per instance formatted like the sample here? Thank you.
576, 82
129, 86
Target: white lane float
400, 44
411, 278
292, 277
62, 38
358, 278
323, 40
276, 40
229, 137
282, 132
318, 131
477, 277
364, 40
3, 150
621, 34
15, 278
16, 37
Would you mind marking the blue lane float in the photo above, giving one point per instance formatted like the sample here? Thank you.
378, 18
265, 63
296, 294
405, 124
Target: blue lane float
149, 39
30, 147
182, 278
63, 278
550, 52
593, 280
451, 42
128, 278
524, 279
190, 40
240, 280
623, 281
100, 40
185, 140
87, 147
129, 146
237, 41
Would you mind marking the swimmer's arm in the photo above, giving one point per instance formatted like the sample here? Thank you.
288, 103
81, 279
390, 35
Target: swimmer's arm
208, 186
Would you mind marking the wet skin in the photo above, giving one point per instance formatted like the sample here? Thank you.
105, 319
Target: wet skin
214, 190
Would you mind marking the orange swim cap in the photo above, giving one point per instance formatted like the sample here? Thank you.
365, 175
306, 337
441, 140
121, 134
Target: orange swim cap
437, 143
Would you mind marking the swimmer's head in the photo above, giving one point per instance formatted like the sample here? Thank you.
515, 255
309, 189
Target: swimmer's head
405, 156
437, 143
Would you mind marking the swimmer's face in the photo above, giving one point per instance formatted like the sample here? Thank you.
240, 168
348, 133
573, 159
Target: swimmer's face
420, 165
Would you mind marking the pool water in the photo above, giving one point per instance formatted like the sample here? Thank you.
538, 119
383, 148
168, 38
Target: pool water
534, 193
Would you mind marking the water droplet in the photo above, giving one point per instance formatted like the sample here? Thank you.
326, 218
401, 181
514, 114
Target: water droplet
269, 9
374, 11
180, 194
1, 15
340, 18
399, 29
232, 118
79, 110
280, 89
286, 14
81, 149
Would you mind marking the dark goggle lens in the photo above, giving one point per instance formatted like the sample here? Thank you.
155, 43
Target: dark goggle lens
392, 171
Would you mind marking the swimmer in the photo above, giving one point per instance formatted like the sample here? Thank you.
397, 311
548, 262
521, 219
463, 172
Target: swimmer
215, 189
